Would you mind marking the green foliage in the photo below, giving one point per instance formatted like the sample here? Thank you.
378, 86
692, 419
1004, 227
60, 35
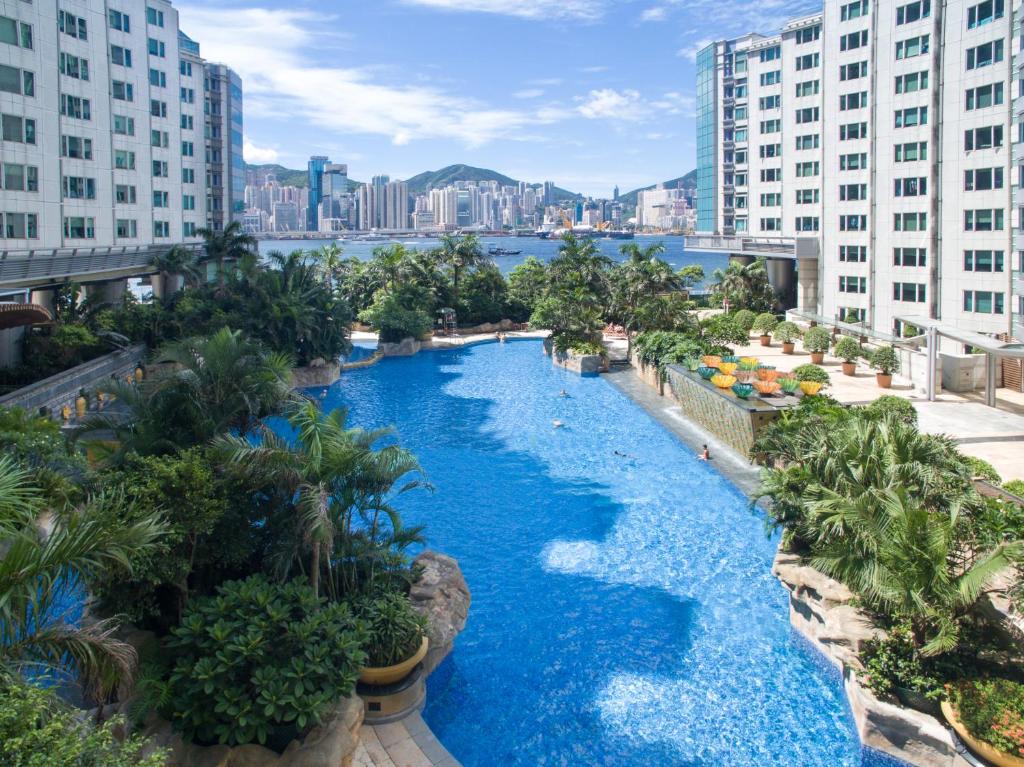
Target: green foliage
817, 339
394, 630
745, 319
848, 349
393, 321
787, 332
890, 405
895, 662
983, 469
992, 710
38, 446
588, 347
261, 662
483, 296
1015, 486
745, 286
811, 373
765, 323
527, 283
662, 348
885, 360
37, 730
723, 330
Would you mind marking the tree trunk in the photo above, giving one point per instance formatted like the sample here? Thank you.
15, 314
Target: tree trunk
314, 578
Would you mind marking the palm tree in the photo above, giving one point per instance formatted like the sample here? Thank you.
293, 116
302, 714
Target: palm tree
580, 262
745, 286
637, 282
389, 264
329, 259
178, 263
460, 254
231, 244
43, 570
342, 489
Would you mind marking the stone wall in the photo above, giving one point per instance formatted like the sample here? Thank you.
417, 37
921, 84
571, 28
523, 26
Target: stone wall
582, 364
820, 609
404, 348
442, 595
317, 373
650, 375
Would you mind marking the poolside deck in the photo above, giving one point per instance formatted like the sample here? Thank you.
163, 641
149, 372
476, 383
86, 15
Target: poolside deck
406, 743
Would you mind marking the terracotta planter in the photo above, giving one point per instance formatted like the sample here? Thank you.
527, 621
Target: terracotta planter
818, 358
982, 749
849, 368
788, 348
884, 381
382, 675
766, 340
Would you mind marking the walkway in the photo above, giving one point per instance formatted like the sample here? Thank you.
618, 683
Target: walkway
406, 743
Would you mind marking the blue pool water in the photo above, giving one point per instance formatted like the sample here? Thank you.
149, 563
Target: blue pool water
624, 612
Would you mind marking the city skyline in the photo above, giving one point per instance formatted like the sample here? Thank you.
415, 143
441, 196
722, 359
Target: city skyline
587, 93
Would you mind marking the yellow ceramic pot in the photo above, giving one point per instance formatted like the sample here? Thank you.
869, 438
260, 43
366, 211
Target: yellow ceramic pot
723, 382
810, 388
982, 749
381, 675
80, 405
749, 361
727, 368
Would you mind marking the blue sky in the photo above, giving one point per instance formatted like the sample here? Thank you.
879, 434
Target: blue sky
585, 93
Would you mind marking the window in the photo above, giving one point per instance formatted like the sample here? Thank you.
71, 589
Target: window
808, 34
124, 160
912, 12
806, 196
18, 129
154, 17
770, 150
159, 169
853, 313
771, 174
157, 78
20, 226
908, 118
73, 106
186, 122
119, 21
79, 228
17, 81
983, 261
188, 149
853, 40
909, 257
806, 223
913, 292
851, 131
808, 61
159, 138
854, 161
770, 78
188, 202
981, 179
808, 115
125, 228
124, 194
161, 199
853, 192
741, 113
853, 223
161, 229
810, 141
120, 56
21, 178
157, 48
810, 168
983, 302
771, 199
910, 187
855, 254
188, 96
73, 66
853, 71
984, 96
16, 33
914, 81
912, 46
857, 100
983, 220
769, 102
122, 91
79, 188
983, 138
985, 55
71, 25
853, 284
188, 175
853, 10
188, 229
185, 68
124, 126
771, 224
76, 148
910, 222
808, 88
770, 54
740, 134
984, 13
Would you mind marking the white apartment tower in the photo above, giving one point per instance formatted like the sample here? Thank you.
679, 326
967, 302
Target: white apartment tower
878, 134
103, 156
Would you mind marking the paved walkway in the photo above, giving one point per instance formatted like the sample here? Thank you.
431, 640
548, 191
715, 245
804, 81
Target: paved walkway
407, 743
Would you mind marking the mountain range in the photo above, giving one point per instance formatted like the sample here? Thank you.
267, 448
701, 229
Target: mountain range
419, 183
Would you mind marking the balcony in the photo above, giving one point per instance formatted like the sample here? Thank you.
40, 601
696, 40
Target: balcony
759, 247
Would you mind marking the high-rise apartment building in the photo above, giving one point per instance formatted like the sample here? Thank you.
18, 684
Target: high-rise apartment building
873, 141
225, 166
104, 157
316, 168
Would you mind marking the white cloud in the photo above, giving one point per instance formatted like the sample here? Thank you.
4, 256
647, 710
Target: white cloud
589, 10
258, 154
690, 52
657, 13
529, 93
594, 70
610, 104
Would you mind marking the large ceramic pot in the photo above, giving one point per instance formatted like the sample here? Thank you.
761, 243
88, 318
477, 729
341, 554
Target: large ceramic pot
381, 675
918, 701
818, 358
788, 348
982, 749
766, 340
884, 381
849, 368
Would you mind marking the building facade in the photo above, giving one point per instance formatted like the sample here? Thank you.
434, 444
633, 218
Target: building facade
882, 131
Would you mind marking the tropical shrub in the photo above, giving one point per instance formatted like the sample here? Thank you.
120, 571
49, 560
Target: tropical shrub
662, 348
817, 339
723, 330
395, 322
527, 283
483, 297
848, 349
394, 630
261, 662
992, 710
745, 319
38, 730
745, 286
896, 407
588, 347
885, 360
895, 662
38, 446
1015, 486
979, 467
765, 323
811, 373
787, 332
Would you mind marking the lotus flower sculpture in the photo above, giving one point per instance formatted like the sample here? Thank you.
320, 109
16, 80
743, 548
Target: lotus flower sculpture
810, 388
766, 388
789, 385
707, 372
711, 360
692, 364
723, 381
727, 368
749, 363
742, 390
731, 358
767, 374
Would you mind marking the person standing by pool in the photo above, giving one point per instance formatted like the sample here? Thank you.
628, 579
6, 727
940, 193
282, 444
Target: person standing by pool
704, 455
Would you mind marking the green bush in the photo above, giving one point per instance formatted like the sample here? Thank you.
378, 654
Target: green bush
817, 339
1015, 486
261, 662
37, 730
811, 373
745, 319
982, 468
395, 322
723, 330
848, 349
765, 323
587, 347
992, 710
885, 360
787, 332
894, 661
394, 629
889, 404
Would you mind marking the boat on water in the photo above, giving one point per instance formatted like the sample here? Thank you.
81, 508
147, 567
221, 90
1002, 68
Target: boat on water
586, 232
496, 251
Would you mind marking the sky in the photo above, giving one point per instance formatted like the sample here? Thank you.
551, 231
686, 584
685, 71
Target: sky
586, 93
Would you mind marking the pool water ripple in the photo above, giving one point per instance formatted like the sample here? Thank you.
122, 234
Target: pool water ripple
624, 612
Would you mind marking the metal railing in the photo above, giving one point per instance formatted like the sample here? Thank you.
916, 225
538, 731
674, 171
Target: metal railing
36, 268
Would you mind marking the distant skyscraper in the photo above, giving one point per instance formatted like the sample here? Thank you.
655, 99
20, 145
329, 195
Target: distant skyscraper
549, 193
226, 171
317, 164
615, 193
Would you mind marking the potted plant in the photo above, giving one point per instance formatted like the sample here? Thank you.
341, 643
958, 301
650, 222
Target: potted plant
745, 319
816, 341
397, 639
765, 324
886, 362
848, 350
787, 332
988, 715
814, 377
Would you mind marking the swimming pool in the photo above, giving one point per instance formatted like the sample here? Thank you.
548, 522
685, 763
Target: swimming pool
624, 612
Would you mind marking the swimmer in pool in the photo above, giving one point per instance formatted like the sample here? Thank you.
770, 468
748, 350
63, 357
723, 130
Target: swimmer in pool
705, 454
563, 393
557, 424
